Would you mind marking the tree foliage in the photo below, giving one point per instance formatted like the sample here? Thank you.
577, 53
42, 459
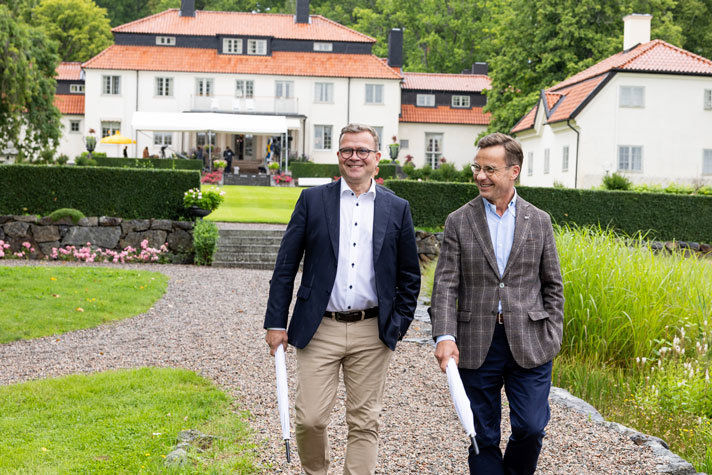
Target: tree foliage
28, 59
79, 26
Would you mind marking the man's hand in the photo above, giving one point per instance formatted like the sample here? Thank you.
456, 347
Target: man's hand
275, 338
445, 350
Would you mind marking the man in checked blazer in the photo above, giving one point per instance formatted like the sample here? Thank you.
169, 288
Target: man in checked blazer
498, 308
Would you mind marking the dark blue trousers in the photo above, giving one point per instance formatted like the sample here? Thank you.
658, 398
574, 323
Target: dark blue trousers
527, 391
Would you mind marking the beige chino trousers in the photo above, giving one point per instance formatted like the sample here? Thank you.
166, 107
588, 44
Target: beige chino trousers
364, 358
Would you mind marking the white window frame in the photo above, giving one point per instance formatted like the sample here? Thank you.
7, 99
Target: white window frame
432, 157
323, 137
257, 47
200, 139
565, 159
323, 46
708, 99
284, 89
323, 92
404, 143
547, 160
109, 127
204, 87
374, 94
232, 46
163, 138
626, 158
530, 164
632, 96
707, 161
460, 102
425, 100
166, 40
379, 132
110, 85
164, 86
76, 88
245, 88
74, 122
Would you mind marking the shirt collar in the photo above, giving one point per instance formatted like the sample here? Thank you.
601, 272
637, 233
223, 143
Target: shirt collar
371, 189
512, 206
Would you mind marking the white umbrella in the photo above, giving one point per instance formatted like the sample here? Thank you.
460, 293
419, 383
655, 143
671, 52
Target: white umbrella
461, 402
280, 367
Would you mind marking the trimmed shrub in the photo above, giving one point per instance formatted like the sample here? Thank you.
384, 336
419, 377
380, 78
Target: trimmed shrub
660, 216
96, 191
616, 182
330, 170
161, 163
74, 214
205, 242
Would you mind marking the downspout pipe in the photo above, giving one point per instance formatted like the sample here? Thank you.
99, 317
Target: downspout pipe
578, 136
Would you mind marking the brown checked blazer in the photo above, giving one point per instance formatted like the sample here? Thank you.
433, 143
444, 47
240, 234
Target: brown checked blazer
467, 287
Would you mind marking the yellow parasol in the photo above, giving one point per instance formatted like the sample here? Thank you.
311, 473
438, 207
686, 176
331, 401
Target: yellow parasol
117, 138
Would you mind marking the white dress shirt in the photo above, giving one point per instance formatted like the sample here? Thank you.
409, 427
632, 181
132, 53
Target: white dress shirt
355, 284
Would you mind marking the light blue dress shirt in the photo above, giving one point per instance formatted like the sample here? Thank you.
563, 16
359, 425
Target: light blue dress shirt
501, 230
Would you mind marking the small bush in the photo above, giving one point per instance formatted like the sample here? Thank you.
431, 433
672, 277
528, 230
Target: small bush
205, 242
74, 214
616, 182
62, 159
84, 161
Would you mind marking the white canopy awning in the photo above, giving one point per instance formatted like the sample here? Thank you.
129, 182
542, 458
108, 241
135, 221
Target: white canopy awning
209, 121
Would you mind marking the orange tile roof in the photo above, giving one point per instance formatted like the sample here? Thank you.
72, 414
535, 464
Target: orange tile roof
654, 56
68, 71
69, 103
207, 23
284, 63
444, 115
446, 82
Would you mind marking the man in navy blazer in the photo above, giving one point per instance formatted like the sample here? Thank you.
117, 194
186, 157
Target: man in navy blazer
356, 299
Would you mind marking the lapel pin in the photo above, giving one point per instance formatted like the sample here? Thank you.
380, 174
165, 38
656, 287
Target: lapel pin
526, 216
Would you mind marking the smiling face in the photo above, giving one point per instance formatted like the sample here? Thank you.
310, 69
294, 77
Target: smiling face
358, 171
497, 188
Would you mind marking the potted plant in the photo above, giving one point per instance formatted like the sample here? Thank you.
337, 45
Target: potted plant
200, 203
219, 164
273, 167
394, 148
282, 179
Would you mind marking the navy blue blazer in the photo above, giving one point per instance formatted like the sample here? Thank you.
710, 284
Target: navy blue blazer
313, 232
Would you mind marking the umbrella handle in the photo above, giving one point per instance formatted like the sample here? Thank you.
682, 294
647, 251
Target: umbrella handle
286, 445
474, 446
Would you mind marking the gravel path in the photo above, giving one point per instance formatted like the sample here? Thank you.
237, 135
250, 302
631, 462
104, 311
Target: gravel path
210, 321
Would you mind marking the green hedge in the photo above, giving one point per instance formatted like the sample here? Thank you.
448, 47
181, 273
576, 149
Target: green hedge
164, 163
95, 191
662, 216
330, 170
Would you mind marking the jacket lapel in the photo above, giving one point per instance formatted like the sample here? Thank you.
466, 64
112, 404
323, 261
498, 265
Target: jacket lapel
332, 206
381, 213
480, 229
522, 222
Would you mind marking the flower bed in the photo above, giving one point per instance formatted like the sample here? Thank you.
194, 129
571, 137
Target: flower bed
88, 254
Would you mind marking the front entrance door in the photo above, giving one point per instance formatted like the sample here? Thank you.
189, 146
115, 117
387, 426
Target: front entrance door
239, 147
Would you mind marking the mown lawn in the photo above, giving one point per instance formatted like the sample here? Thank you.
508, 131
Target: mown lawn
41, 301
119, 422
256, 204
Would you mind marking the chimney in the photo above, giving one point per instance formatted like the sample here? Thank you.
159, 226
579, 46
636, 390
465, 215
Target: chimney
302, 15
636, 29
477, 68
187, 8
395, 48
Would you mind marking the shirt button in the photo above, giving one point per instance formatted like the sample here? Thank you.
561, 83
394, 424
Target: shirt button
349, 307
354, 244
356, 204
501, 285
351, 286
352, 264
355, 224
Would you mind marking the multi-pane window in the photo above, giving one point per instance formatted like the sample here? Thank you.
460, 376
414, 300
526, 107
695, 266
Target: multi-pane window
203, 87
76, 88
374, 93
547, 161
323, 92
565, 159
74, 126
244, 88
319, 46
201, 138
433, 149
425, 100
404, 143
708, 99
530, 163
630, 158
232, 45
322, 137
164, 87
162, 138
258, 47
109, 127
461, 101
707, 162
166, 40
632, 96
111, 85
284, 89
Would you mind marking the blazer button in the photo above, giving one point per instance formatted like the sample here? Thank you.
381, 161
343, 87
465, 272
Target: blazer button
501, 285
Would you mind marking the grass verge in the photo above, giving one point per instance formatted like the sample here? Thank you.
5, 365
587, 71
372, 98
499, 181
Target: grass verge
256, 204
119, 422
41, 301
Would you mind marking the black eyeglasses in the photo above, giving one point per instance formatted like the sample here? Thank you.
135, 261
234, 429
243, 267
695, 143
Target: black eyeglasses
489, 170
361, 153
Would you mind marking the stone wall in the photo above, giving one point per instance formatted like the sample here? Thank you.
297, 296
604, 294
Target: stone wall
104, 232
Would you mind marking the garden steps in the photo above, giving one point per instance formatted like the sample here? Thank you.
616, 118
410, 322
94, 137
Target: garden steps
248, 248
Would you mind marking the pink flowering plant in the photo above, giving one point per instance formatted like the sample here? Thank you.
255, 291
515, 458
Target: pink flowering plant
282, 178
88, 254
24, 253
205, 199
212, 178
